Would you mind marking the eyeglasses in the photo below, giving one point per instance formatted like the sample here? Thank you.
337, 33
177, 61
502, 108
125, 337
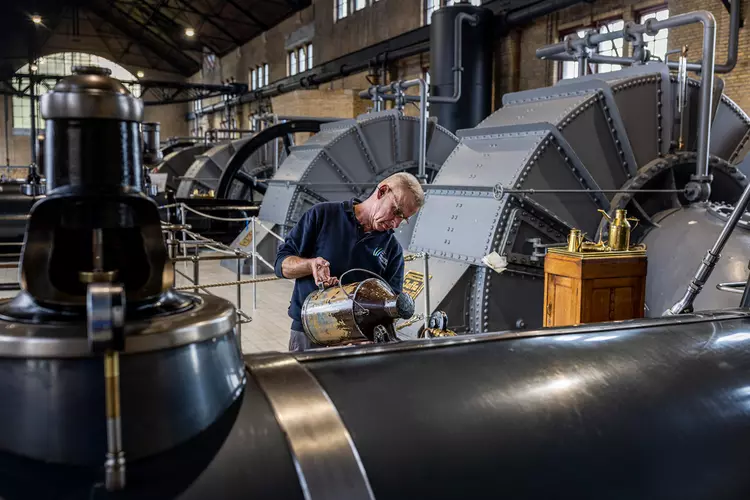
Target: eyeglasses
397, 210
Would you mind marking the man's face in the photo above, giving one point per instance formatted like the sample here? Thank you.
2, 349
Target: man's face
393, 207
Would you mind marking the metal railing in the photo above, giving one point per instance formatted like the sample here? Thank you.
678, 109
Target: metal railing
222, 251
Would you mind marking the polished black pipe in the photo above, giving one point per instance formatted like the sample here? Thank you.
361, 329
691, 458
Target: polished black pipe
654, 409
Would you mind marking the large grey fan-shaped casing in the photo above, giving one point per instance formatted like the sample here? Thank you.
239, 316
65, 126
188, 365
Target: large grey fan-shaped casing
593, 133
334, 163
205, 172
177, 163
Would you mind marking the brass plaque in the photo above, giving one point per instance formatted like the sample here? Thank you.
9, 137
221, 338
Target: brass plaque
244, 242
413, 284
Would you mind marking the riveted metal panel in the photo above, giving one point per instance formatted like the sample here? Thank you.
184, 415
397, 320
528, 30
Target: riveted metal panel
177, 163
444, 275
495, 305
585, 114
280, 196
638, 100
203, 174
205, 171
456, 226
553, 109
729, 132
483, 160
330, 164
440, 144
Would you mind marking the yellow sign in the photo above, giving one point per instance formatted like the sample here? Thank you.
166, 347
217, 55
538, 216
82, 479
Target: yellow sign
247, 239
413, 284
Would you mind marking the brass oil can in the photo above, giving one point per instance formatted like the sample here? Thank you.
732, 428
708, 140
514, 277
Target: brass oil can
354, 313
619, 230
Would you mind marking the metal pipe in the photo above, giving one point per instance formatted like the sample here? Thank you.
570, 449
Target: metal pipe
184, 232
595, 58
32, 98
652, 27
457, 53
537, 10
732, 50
745, 300
115, 463
732, 287
685, 304
426, 258
196, 270
7, 122
239, 301
255, 263
582, 65
422, 161
275, 149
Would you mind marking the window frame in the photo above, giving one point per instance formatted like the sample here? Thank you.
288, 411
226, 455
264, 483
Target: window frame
57, 64
292, 67
303, 59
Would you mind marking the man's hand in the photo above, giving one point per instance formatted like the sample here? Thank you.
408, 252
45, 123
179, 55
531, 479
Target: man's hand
321, 272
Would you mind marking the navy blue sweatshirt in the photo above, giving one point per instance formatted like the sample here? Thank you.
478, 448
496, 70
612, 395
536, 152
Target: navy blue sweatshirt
330, 230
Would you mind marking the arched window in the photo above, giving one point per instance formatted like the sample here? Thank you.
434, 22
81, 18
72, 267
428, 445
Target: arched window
54, 65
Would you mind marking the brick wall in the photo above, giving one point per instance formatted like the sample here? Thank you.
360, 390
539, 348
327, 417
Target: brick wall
533, 73
341, 103
516, 66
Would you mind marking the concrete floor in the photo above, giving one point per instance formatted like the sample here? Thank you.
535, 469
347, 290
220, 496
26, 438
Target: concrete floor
269, 329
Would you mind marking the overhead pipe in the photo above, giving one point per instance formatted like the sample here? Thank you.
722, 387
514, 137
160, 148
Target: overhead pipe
700, 182
537, 10
314, 78
732, 50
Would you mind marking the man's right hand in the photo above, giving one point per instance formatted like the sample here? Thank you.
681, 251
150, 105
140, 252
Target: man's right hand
321, 272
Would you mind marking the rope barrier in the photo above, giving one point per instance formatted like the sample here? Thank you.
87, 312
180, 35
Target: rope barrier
230, 283
225, 219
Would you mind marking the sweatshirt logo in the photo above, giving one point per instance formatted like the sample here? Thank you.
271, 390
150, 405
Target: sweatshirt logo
380, 254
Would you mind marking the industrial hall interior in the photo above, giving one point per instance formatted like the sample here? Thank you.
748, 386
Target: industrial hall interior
375, 249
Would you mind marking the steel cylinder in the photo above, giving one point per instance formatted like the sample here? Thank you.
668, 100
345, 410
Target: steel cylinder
92, 137
350, 313
151, 143
475, 103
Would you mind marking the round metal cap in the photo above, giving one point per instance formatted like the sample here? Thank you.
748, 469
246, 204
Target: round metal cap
91, 93
405, 306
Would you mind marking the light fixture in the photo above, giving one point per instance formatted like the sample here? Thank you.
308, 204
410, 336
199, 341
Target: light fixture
140, 74
36, 19
189, 32
34, 68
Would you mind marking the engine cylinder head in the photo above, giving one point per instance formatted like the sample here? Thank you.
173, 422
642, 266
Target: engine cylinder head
92, 126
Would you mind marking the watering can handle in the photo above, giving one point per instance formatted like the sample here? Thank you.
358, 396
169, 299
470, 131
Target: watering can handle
635, 220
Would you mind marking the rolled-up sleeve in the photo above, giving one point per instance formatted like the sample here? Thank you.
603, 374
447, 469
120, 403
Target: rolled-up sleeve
299, 242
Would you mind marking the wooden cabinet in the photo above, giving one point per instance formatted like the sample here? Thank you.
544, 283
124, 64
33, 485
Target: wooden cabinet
593, 287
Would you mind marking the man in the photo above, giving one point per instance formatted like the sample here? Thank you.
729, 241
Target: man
334, 237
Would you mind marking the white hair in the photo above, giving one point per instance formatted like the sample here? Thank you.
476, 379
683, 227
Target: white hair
406, 182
